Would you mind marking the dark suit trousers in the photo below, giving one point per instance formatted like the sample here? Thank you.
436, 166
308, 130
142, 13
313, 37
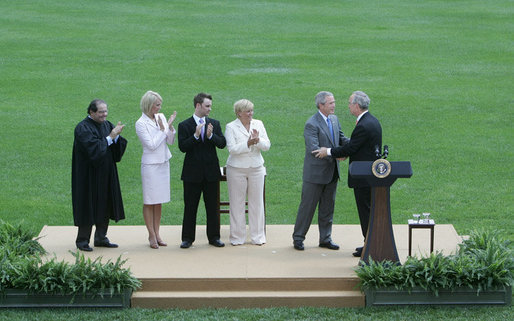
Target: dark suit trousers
192, 192
84, 234
363, 201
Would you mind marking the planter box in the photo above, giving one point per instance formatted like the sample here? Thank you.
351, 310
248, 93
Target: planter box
459, 296
14, 298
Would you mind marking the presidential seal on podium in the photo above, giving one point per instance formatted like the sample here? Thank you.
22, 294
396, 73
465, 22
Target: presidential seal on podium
381, 168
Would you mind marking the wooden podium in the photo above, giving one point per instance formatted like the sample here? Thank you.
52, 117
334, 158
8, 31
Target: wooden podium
380, 243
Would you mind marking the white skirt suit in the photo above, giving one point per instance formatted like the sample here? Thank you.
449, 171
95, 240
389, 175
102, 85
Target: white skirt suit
155, 166
245, 176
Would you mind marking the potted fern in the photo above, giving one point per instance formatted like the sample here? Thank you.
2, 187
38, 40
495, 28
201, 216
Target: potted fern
28, 281
481, 272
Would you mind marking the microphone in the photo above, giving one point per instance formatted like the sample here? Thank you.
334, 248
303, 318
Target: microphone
386, 151
377, 151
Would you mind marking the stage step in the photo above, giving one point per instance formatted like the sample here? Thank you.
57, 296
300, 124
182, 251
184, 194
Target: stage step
248, 293
246, 299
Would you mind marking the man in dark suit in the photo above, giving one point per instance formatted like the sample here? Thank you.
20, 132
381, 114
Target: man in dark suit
198, 137
366, 135
320, 176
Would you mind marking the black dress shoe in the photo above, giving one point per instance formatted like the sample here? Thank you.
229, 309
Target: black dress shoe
186, 245
329, 245
358, 252
106, 244
85, 248
359, 248
217, 243
298, 245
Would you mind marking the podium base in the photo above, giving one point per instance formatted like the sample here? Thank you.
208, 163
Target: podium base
380, 244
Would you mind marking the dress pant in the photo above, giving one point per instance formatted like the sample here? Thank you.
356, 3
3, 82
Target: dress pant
363, 201
192, 193
314, 195
242, 182
84, 234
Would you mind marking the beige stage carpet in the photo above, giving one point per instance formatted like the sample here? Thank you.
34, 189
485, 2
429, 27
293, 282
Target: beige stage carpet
276, 259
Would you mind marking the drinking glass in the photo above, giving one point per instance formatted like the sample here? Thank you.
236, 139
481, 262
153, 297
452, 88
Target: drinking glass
426, 217
416, 217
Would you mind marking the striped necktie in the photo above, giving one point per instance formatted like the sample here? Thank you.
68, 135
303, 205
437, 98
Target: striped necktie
203, 128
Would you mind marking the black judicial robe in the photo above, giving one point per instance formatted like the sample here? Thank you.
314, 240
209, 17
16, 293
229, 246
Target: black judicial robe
95, 187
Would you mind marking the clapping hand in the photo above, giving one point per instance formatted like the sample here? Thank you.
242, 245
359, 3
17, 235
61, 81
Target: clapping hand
159, 121
198, 131
208, 132
254, 137
171, 119
116, 130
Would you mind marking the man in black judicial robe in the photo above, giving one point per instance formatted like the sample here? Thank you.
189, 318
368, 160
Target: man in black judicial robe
95, 187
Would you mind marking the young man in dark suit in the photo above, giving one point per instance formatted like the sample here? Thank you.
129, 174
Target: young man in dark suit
366, 135
198, 137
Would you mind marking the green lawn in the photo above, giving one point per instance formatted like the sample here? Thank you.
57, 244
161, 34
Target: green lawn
439, 75
415, 313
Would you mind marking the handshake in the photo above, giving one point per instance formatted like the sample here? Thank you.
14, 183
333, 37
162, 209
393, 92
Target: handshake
322, 152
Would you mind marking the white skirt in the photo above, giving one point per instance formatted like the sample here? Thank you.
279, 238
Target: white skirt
156, 183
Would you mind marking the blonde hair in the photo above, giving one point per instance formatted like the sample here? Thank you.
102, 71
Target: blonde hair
148, 100
242, 105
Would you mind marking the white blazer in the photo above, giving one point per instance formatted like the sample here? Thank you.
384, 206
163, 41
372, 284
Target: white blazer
155, 150
237, 136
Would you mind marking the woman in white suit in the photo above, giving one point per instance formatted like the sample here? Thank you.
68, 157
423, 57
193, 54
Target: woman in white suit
246, 138
155, 133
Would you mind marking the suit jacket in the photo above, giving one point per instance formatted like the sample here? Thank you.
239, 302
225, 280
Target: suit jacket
237, 136
155, 150
201, 160
365, 136
317, 134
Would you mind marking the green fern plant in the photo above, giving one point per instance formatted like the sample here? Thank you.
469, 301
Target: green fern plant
484, 261
21, 267
59, 277
17, 240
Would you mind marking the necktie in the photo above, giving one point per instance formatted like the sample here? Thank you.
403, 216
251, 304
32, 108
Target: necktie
203, 128
329, 123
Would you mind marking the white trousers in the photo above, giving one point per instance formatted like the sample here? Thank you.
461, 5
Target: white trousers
242, 182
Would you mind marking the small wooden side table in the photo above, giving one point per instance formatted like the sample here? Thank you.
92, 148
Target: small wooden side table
421, 224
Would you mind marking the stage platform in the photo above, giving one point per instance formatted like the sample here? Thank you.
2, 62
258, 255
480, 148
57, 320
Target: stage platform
245, 276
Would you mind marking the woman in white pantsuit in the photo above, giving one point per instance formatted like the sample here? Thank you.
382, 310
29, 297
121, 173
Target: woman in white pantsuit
246, 138
155, 133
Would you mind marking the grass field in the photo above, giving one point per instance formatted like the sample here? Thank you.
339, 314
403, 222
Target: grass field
414, 313
439, 75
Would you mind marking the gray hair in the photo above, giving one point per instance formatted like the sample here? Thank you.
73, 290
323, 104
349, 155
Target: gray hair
321, 97
148, 100
361, 99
